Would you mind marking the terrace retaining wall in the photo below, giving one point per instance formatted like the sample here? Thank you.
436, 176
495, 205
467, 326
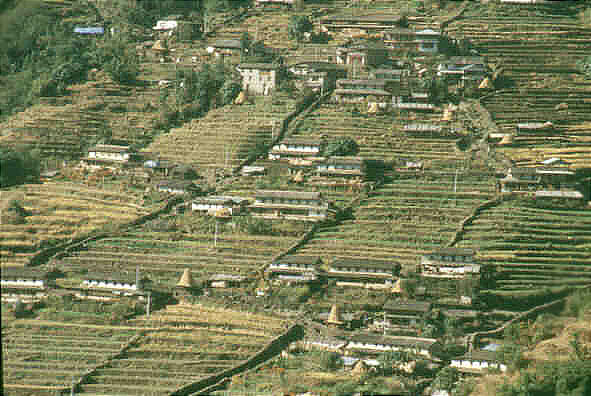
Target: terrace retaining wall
274, 348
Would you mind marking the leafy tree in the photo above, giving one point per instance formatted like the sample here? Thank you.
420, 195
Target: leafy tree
346, 146
297, 26
330, 360
18, 166
120, 61
585, 66
446, 379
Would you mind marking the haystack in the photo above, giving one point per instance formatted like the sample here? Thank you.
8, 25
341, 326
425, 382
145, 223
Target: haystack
159, 46
397, 287
360, 368
334, 317
486, 84
299, 177
372, 108
186, 279
506, 140
241, 98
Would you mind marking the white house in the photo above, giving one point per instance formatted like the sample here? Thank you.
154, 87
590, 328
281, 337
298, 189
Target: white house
427, 347
296, 148
449, 262
476, 362
428, 41
165, 25
218, 203
295, 205
258, 78
109, 152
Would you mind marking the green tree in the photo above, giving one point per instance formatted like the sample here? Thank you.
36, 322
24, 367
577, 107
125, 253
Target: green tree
120, 60
297, 26
345, 146
446, 379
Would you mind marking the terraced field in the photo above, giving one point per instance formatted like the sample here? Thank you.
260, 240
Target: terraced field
180, 345
164, 351
537, 49
227, 136
533, 248
404, 218
64, 127
163, 255
43, 357
59, 211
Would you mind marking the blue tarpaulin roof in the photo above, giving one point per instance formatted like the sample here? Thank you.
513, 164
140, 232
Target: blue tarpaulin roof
89, 30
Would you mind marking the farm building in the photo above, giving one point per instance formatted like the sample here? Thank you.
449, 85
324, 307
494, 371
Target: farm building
290, 149
24, 283
365, 53
90, 31
377, 344
317, 75
343, 320
163, 26
342, 167
101, 284
226, 281
428, 41
107, 153
526, 128
225, 47
371, 23
476, 362
462, 64
294, 269
359, 272
216, 203
323, 343
178, 187
258, 78
558, 181
295, 205
449, 263
362, 95
406, 312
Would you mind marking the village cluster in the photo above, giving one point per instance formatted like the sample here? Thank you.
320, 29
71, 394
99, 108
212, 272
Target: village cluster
367, 72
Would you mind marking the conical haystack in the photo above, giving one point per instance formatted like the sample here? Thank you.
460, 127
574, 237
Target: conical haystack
186, 279
299, 177
486, 84
506, 140
241, 98
373, 108
360, 368
159, 46
397, 288
334, 317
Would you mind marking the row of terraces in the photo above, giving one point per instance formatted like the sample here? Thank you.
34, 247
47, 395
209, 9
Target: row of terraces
163, 255
226, 136
537, 49
533, 247
43, 357
404, 218
181, 345
59, 211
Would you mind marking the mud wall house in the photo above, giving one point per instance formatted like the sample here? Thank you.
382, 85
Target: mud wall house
225, 281
330, 344
107, 153
406, 312
342, 167
450, 263
477, 362
98, 285
539, 179
360, 272
534, 128
362, 95
21, 283
294, 269
177, 187
317, 74
295, 205
219, 203
363, 54
377, 344
290, 149
258, 78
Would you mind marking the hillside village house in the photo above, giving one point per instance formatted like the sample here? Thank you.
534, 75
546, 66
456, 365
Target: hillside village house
477, 362
226, 281
258, 78
377, 344
428, 41
25, 284
449, 263
317, 75
342, 167
90, 31
549, 182
529, 128
363, 24
215, 204
163, 26
295, 205
297, 148
225, 47
364, 53
107, 153
406, 312
362, 95
262, 3
97, 285
424, 41
178, 187
294, 269
359, 272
